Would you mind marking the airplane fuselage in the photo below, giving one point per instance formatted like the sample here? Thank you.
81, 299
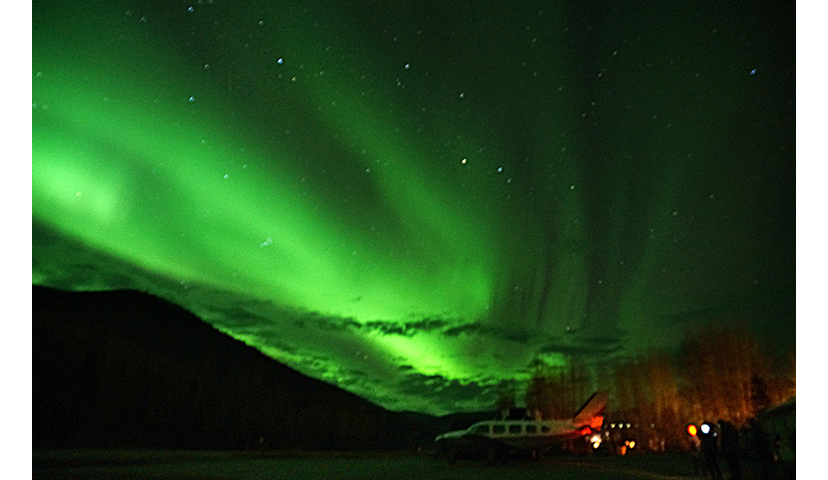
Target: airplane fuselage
521, 434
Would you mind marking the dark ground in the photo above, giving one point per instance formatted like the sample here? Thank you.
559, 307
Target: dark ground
146, 465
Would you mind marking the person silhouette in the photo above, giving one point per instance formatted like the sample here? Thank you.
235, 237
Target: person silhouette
710, 450
729, 440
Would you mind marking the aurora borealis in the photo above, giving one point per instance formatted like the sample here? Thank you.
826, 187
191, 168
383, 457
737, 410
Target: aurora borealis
415, 200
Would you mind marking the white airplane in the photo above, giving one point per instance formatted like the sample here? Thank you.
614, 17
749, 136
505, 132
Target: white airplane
496, 439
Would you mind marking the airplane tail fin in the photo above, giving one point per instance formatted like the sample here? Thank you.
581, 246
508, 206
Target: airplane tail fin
592, 413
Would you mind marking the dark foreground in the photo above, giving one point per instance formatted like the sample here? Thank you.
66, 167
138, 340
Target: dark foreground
146, 465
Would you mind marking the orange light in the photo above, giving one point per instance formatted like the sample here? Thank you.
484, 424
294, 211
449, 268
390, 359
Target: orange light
692, 430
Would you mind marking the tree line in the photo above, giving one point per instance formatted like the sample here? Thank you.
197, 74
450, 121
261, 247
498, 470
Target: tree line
718, 373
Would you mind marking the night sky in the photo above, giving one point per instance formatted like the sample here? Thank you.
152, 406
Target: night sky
416, 200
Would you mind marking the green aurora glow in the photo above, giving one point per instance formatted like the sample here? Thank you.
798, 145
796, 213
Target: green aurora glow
414, 203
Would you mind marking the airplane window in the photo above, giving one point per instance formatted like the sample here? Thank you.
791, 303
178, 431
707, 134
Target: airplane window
514, 428
544, 429
482, 429
498, 429
531, 428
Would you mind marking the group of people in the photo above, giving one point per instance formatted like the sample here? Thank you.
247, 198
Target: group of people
722, 441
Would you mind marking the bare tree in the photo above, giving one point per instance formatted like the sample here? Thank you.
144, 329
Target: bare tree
718, 366
505, 398
556, 392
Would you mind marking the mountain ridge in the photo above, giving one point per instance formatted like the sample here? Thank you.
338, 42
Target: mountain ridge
129, 369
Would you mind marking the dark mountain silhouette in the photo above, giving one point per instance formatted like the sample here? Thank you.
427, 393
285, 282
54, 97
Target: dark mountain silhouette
128, 369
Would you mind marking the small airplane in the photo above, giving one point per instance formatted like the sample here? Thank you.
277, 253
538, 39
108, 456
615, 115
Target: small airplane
496, 439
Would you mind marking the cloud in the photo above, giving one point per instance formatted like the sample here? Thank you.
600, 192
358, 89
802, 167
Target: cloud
467, 328
593, 348
236, 317
406, 328
451, 395
326, 322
